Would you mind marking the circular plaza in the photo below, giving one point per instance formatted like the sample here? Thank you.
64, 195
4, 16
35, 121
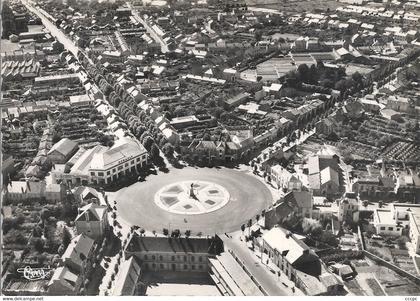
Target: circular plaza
206, 200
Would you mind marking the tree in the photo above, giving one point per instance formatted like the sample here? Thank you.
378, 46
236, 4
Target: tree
243, 228
147, 142
37, 231
357, 78
45, 214
187, 233
142, 231
106, 140
38, 244
293, 222
154, 151
66, 237
311, 226
249, 226
165, 232
401, 242
304, 72
168, 149
258, 35
176, 233
257, 217
20, 239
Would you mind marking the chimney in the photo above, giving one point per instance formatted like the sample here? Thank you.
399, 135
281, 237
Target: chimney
288, 234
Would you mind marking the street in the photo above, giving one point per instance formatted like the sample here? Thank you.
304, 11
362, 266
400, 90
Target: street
270, 282
55, 32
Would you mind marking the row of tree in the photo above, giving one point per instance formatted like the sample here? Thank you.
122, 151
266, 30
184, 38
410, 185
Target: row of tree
139, 123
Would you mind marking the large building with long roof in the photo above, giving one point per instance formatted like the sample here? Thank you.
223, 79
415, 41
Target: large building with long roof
104, 165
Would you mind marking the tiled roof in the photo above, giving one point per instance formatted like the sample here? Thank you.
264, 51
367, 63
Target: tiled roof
286, 244
302, 199
96, 212
65, 147
78, 250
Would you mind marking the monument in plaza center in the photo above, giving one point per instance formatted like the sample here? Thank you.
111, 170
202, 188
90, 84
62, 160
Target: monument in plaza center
192, 195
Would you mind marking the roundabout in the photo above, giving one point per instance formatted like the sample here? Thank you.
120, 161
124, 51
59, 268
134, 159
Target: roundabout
205, 200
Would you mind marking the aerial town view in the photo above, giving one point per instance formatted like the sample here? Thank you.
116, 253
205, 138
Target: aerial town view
210, 148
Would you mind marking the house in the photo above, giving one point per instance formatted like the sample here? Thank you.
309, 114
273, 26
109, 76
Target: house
329, 181
385, 223
23, 191
57, 80
400, 104
325, 126
34, 171
300, 201
62, 151
183, 122
171, 136
64, 282
353, 110
128, 278
390, 114
13, 70
374, 186
323, 174
210, 151
173, 254
284, 179
343, 270
84, 194
236, 100
371, 105
74, 267
229, 74
348, 208
276, 214
55, 192
79, 254
92, 221
295, 259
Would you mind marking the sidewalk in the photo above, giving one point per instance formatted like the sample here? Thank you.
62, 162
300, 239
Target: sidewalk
125, 231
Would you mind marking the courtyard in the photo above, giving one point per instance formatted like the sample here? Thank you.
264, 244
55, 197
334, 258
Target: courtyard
206, 200
179, 284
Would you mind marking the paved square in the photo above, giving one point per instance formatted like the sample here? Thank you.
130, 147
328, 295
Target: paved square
223, 199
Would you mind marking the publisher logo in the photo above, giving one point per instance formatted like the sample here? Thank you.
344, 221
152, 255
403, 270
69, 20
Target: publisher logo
34, 273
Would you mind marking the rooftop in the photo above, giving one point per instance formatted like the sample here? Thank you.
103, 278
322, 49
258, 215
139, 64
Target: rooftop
169, 245
287, 245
